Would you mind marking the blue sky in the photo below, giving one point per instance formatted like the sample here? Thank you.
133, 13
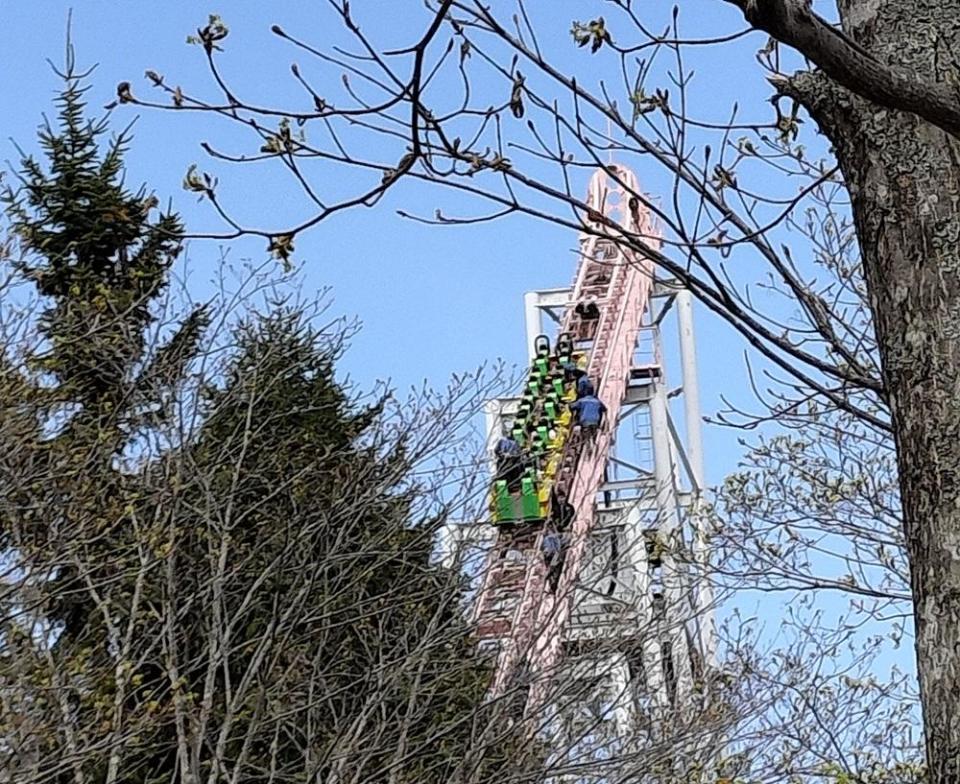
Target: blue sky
433, 300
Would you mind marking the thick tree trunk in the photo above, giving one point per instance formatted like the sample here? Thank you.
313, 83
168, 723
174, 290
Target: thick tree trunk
907, 216
904, 181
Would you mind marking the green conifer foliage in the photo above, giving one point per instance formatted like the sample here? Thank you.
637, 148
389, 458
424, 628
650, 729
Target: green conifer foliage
344, 639
94, 377
257, 602
95, 251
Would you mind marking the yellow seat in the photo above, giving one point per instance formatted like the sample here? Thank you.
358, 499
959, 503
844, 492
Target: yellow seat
544, 497
552, 465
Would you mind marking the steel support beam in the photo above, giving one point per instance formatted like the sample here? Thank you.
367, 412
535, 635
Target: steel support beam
675, 597
532, 321
703, 588
535, 303
691, 389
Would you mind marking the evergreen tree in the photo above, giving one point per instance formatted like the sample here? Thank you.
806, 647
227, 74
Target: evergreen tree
90, 382
342, 653
100, 261
255, 604
95, 253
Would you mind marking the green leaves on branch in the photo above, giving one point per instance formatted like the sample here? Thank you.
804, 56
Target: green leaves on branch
280, 142
157, 79
594, 33
788, 125
644, 104
214, 31
723, 178
281, 247
203, 183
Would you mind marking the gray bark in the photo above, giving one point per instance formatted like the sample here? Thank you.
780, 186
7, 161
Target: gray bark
888, 81
903, 175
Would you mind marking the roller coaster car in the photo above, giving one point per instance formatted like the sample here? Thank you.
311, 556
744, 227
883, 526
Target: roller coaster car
540, 428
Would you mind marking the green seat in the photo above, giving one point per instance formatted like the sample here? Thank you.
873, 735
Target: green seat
529, 502
541, 366
518, 435
543, 434
550, 408
502, 502
534, 388
558, 386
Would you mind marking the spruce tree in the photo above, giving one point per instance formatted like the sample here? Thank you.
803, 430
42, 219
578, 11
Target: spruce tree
78, 395
256, 603
348, 657
100, 257
101, 260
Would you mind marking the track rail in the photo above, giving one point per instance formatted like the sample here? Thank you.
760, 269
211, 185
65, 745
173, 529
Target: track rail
620, 284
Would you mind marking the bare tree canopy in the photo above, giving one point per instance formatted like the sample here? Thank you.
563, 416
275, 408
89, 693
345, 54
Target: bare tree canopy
488, 104
217, 560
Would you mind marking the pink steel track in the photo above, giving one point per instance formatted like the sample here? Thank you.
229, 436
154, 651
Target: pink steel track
620, 282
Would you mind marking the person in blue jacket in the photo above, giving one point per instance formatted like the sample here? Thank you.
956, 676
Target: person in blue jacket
589, 411
509, 462
584, 387
553, 556
571, 372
